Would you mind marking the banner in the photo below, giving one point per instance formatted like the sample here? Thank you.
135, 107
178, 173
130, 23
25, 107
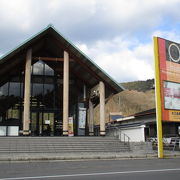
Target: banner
169, 79
82, 118
70, 127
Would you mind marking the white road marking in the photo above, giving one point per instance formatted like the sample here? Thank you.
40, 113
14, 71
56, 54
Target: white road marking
92, 174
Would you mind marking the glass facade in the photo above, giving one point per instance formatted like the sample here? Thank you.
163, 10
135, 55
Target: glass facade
44, 104
46, 101
11, 99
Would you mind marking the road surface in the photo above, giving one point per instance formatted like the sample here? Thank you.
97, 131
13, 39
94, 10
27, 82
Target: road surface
144, 169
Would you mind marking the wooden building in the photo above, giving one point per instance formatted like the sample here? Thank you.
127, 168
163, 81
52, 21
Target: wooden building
46, 80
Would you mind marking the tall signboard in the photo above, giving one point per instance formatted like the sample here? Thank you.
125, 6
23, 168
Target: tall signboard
167, 70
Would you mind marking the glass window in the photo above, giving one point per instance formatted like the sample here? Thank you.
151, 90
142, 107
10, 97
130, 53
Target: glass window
4, 90
13, 113
49, 95
37, 89
33, 122
48, 88
14, 89
49, 120
48, 71
48, 80
38, 68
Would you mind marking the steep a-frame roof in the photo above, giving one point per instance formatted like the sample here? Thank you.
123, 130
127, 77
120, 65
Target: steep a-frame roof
53, 42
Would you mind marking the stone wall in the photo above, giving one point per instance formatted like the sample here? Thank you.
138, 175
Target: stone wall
141, 147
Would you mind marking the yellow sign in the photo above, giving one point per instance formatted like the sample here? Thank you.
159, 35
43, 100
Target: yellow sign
167, 79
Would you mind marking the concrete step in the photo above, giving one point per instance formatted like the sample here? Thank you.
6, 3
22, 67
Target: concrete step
51, 146
60, 144
60, 149
64, 151
56, 137
63, 146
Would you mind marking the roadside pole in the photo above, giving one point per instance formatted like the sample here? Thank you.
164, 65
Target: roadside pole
158, 100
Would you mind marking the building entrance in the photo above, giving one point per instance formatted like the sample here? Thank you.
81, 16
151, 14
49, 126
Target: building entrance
46, 123
42, 123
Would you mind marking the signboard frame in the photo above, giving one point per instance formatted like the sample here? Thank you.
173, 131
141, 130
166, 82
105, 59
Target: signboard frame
167, 68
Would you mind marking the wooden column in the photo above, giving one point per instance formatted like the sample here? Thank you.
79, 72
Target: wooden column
91, 118
27, 93
102, 108
66, 94
84, 92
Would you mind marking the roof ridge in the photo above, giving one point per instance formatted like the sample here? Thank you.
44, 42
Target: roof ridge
28, 42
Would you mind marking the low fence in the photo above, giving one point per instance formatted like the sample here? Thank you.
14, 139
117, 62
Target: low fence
169, 143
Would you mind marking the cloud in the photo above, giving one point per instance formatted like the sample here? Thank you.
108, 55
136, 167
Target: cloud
127, 60
90, 19
120, 61
172, 35
15, 14
117, 34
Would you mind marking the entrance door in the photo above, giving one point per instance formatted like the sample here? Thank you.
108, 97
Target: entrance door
48, 124
42, 123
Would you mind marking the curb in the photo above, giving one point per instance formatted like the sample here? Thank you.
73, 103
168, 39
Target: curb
76, 158
82, 156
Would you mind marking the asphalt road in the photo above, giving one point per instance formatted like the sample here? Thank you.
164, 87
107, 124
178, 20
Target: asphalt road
156, 169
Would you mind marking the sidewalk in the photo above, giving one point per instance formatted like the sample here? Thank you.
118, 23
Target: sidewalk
82, 156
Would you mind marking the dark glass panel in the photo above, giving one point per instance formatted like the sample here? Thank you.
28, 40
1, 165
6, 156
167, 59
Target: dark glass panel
48, 80
37, 89
49, 95
37, 79
48, 88
33, 123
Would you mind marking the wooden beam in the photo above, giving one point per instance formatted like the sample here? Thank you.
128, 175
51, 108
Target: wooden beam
75, 58
79, 61
49, 59
91, 118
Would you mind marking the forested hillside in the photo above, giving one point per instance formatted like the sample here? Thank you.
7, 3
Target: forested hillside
139, 85
138, 96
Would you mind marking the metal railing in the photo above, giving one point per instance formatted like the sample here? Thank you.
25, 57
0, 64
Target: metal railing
176, 142
116, 132
169, 143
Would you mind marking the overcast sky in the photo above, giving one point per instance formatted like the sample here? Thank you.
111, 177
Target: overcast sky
116, 34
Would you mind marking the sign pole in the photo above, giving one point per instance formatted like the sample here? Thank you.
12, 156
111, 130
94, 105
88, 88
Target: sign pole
158, 100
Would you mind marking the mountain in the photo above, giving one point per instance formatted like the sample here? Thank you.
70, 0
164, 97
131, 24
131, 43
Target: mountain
141, 86
138, 96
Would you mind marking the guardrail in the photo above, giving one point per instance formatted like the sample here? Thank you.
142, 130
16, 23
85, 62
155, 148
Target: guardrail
116, 132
